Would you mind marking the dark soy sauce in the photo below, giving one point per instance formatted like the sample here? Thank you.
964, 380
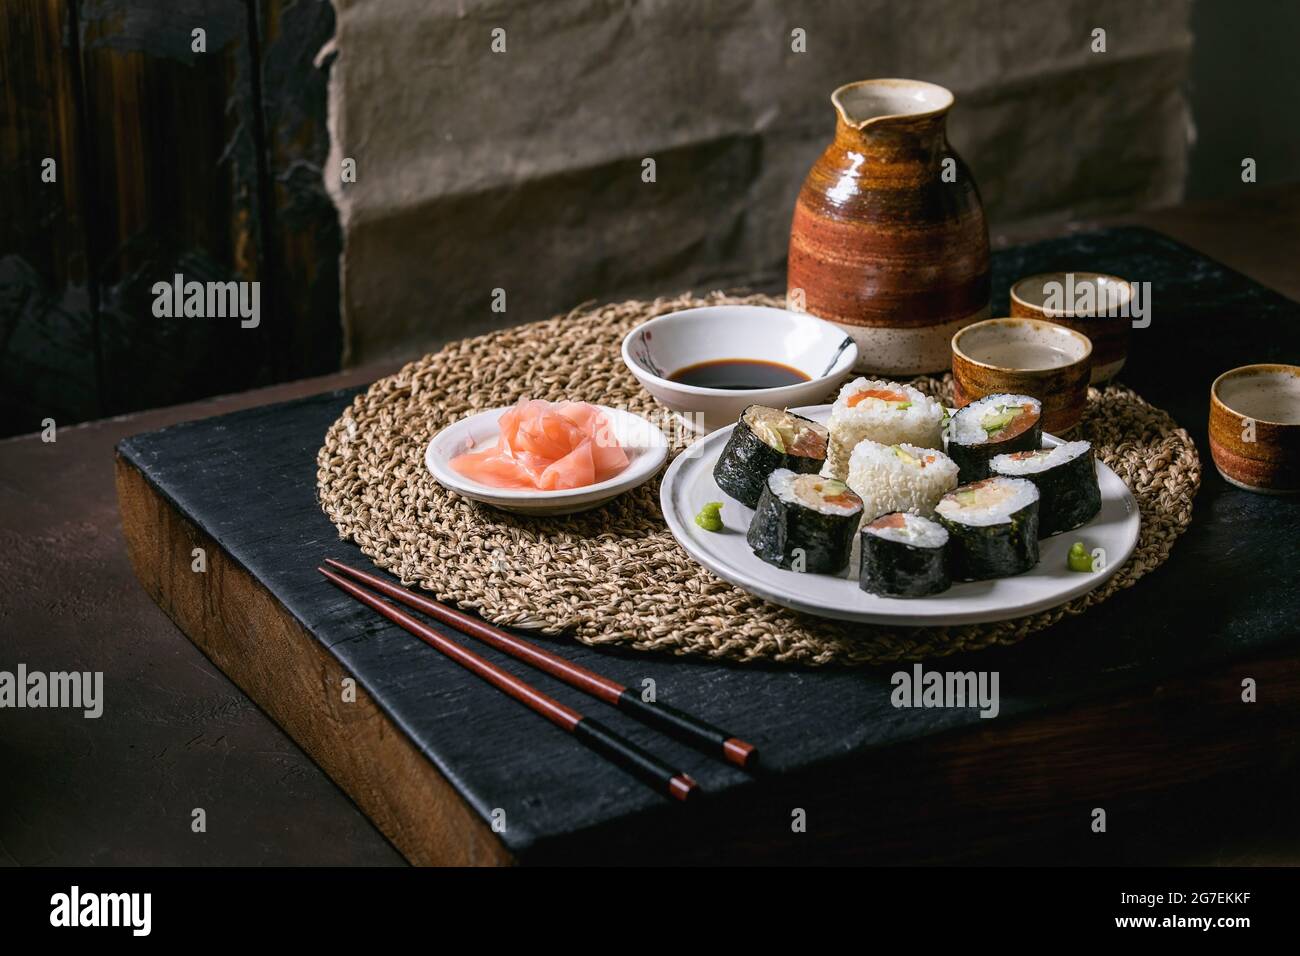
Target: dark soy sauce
738, 373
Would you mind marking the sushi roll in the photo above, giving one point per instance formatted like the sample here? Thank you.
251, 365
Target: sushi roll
885, 412
764, 440
992, 526
992, 426
805, 522
903, 555
1066, 478
899, 478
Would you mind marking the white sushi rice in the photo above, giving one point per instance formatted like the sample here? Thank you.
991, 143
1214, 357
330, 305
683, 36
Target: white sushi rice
1038, 463
995, 501
887, 481
967, 425
916, 531
920, 423
807, 490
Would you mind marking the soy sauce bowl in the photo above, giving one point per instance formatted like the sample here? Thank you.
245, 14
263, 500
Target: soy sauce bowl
656, 350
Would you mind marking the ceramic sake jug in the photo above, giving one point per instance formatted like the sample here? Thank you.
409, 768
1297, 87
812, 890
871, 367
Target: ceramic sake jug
889, 238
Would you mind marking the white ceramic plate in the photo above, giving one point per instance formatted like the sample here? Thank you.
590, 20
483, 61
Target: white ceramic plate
645, 445
689, 483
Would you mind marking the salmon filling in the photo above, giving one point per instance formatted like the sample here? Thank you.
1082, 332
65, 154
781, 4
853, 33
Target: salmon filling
883, 394
895, 520
786, 432
1025, 417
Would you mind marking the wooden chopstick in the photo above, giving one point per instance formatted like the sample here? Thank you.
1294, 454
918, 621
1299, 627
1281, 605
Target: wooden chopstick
663, 717
642, 764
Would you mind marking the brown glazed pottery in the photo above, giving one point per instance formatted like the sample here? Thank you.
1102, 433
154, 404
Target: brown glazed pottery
889, 238
1255, 427
1089, 302
1024, 357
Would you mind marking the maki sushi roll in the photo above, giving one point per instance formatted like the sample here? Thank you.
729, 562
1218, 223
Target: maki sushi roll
992, 426
899, 478
1066, 478
903, 555
763, 440
993, 528
885, 412
805, 522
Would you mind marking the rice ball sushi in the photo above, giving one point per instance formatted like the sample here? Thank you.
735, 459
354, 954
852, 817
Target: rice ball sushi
991, 426
992, 526
805, 522
903, 555
885, 412
1066, 478
764, 440
900, 477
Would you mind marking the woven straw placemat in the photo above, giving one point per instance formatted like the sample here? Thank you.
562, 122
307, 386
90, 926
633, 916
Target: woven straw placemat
614, 575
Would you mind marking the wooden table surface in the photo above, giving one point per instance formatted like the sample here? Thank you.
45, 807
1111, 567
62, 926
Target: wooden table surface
177, 735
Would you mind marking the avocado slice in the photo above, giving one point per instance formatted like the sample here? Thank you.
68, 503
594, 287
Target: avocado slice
996, 421
906, 458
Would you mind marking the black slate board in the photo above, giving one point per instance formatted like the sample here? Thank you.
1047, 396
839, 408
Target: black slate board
1228, 591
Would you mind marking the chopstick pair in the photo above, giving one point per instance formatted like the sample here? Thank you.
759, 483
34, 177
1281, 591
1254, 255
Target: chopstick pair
642, 764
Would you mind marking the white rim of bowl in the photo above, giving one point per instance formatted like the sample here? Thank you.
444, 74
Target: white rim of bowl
1245, 371
1070, 313
1055, 329
639, 369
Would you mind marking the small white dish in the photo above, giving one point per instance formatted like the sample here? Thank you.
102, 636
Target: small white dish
663, 346
688, 485
646, 448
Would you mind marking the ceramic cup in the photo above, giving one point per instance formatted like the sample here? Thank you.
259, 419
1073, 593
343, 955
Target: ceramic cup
1255, 427
1089, 302
1046, 361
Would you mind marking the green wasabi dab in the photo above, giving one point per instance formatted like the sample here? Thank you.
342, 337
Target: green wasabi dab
1077, 560
709, 518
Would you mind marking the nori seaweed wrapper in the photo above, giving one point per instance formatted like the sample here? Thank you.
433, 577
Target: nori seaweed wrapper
746, 461
980, 552
898, 569
973, 460
780, 527
1069, 495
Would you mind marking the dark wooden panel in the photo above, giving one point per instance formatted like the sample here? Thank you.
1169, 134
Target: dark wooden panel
304, 237
173, 173
169, 160
47, 332
1139, 695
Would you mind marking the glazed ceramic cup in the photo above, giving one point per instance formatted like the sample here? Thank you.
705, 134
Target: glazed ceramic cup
1063, 297
1046, 361
1255, 427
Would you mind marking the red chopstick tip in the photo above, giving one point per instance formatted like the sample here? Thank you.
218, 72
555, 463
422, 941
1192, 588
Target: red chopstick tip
683, 787
739, 752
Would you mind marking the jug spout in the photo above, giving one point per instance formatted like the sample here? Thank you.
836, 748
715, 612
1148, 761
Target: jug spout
869, 103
